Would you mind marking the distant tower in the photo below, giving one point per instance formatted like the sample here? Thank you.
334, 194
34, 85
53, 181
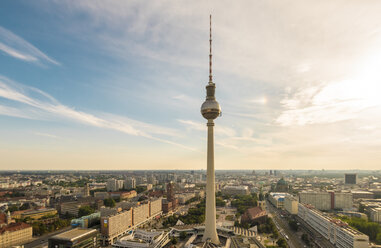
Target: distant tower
170, 191
86, 190
210, 110
350, 178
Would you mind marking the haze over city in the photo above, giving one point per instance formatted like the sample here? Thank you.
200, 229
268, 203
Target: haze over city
118, 86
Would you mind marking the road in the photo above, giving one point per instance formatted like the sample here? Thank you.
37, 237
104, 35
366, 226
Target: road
43, 240
283, 227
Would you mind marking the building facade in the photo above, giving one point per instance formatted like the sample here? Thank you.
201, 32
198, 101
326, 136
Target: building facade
324, 200
291, 204
277, 199
336, 231
118, 224
15, 234
350, 178
75, 238
130, 183
235, 190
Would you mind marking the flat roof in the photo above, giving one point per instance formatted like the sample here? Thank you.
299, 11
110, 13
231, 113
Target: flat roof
74, 234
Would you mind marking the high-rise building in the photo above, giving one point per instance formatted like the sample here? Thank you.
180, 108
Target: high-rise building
120, 184
210, 110
152, 180
350, 178
86, 190
324, 200
112, 185
170, 191
130, 183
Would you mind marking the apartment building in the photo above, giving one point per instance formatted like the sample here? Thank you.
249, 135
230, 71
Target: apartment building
119, 223
15, 234
334, 230
327, 200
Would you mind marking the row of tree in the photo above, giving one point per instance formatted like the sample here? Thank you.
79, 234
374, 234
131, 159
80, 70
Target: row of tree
40, 228
243, 202
372, 229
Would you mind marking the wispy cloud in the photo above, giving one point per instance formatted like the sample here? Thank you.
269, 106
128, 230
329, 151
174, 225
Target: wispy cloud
15, 46
47, 135
47, 104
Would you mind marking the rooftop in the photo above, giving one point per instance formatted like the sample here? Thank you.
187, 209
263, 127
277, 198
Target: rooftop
74, 234
14, 227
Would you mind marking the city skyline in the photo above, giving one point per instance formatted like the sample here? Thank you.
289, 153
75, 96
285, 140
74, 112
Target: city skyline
85, 85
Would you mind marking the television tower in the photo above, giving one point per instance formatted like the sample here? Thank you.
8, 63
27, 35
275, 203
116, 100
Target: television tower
210, 110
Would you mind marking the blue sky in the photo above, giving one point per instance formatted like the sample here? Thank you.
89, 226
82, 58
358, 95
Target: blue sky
118, 85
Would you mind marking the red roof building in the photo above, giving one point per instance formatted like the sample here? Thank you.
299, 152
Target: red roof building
254, 215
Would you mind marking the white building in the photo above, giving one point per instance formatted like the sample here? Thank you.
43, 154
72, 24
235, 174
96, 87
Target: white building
320, 200
324, 200
277, 199
334, 230
235, 190
291, 204
143, 239
375, 214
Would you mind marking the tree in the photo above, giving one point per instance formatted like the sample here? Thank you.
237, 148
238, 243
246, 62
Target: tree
25, 206
282, 243
293, 224
378, 239
13, 208
306, 239
361, 208
174, 240
220, 202
85, 210
183, 235
109, 202
140, 189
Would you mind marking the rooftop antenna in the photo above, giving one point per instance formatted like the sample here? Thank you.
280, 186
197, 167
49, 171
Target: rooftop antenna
210, 51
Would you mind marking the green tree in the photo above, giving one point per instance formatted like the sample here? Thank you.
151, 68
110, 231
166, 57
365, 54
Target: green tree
220, 202
282, 243
293, 224
13, 208
109, 202
306, 239
140, 189
85, 210
243, 202
378, 239
183, 235
174, 240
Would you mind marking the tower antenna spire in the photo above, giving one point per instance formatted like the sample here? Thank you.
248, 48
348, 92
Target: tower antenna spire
210, 50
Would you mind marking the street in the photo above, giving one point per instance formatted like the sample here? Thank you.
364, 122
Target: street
289, 235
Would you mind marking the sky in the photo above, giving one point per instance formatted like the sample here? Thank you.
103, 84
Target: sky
92, 85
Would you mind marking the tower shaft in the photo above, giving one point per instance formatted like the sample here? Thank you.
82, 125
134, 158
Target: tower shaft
210, 215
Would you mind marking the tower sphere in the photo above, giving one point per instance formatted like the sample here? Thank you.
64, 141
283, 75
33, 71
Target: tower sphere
210, 109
